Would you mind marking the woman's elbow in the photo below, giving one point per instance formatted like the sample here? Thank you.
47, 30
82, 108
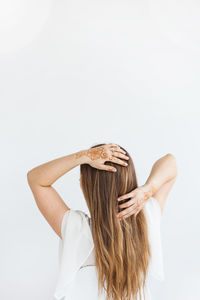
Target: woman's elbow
30, 177
173, 164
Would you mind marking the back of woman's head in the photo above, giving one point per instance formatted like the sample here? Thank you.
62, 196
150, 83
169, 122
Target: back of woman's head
121, 247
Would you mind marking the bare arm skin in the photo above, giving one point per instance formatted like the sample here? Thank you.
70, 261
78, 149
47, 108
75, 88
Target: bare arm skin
158, 185
41, 178
162, 177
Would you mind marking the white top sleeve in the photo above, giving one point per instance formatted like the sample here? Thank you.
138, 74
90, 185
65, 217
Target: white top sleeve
153, 217
74, 248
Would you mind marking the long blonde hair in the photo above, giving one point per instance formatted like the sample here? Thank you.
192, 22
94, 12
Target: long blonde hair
122, 250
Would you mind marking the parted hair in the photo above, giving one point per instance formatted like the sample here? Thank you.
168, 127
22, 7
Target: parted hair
121, 247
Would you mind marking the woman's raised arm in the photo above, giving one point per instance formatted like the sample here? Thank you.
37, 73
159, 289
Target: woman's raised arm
158, 185
48, 200
41, 178
162, 177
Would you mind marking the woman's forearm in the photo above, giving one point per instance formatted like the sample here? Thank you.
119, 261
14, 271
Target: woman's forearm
163, 170
47, 173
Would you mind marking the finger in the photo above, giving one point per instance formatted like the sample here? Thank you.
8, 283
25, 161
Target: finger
119, 161
134, 209
137, 212
126, 215
127, 204
135, 206
119, 154
108, 168
132, 212
124, 212
121, 150
113, 146
117, 148
125, 196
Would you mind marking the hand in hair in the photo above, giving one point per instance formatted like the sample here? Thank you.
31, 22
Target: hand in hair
97, 156
138, 197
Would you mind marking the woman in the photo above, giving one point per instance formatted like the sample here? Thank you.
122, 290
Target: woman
114, 253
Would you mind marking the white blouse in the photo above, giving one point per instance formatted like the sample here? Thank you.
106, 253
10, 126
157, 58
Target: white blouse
77, 278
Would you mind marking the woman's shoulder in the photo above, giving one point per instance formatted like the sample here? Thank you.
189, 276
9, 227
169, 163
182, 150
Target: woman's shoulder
74, 220
75, 214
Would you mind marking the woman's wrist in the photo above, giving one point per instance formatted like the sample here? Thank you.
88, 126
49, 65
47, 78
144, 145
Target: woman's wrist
149, 189
82, 157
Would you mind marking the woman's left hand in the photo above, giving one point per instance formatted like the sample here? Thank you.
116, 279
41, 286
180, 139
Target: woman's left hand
137, 199
97, 156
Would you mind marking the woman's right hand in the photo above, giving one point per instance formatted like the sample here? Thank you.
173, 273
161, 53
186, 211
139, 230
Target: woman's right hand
97, 156
138, 197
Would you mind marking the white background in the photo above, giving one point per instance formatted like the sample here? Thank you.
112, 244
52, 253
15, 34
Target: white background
75, 73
